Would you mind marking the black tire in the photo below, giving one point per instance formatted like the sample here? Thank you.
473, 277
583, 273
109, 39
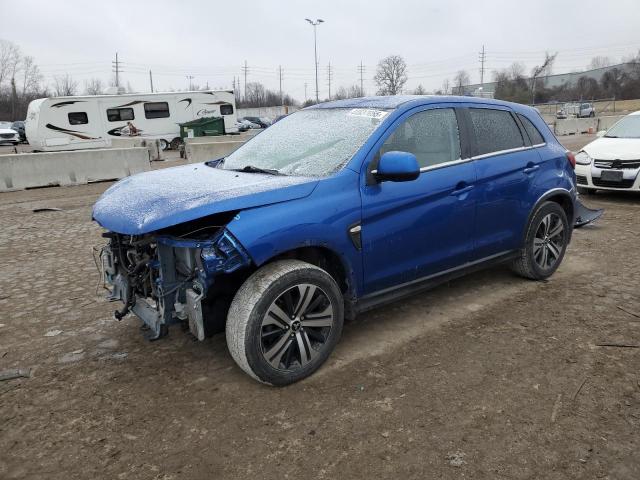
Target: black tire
175, 143
543, 250
164, 145
252, 323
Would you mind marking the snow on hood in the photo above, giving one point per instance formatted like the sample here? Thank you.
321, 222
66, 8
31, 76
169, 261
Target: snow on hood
614, 148
8, 130
150, 201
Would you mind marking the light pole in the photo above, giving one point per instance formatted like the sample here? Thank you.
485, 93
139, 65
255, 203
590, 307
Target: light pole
315, 49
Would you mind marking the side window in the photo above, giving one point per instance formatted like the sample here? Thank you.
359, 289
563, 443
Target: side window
226, 109
120, 114
495, 130
534, 134
78, 118
432, 136
156, 110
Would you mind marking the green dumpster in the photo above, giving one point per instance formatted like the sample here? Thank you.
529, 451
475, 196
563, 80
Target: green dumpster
203, 127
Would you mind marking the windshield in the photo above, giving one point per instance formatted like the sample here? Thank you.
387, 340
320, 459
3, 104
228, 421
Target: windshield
314, 142
5, 124
628, 127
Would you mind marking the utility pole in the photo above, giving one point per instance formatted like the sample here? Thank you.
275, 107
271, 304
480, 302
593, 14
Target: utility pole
361, 70
151, 80
280, 77
190, 77
116, 66
482, 60
305, 91
245, 70
315, 50
329, 78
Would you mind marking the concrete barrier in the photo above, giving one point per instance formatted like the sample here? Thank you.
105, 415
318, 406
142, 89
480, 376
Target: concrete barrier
152, 144
201, 152
27, 170
605, 123
573, 126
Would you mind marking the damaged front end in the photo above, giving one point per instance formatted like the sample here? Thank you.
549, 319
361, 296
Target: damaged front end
167, 278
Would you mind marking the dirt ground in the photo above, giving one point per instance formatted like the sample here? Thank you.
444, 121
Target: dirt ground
487, 377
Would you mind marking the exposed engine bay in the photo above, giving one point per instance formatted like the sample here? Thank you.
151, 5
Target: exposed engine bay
174, 277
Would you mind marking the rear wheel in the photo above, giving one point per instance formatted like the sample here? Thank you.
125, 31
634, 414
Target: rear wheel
545, 243
285, 321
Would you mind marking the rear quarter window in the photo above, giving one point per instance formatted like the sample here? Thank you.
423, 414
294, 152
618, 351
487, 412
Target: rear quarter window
495, 130
534, 134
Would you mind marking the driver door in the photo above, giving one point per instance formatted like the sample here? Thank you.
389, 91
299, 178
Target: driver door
415, 229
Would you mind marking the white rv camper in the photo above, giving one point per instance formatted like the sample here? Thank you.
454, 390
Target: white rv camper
69, 123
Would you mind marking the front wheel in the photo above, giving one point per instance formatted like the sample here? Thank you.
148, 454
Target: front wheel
163, 144
545, 243
284, 322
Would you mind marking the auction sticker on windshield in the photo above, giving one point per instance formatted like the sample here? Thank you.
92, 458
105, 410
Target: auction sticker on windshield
368, 113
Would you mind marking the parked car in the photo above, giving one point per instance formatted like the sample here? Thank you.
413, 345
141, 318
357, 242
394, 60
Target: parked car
18, 126
580, 110
561, 114
612, 162
334, 210
262, 121
8, 134
247, 125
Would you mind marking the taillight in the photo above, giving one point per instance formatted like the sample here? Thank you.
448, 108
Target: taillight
572, 159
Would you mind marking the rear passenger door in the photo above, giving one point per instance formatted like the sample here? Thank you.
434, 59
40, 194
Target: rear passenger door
506, 168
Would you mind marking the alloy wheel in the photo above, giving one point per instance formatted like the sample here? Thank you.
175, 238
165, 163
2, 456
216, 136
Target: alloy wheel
296, 327
549, 241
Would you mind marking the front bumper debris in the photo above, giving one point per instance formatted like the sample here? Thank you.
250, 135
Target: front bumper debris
168, 279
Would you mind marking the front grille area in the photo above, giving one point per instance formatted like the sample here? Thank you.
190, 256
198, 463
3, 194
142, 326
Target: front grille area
6, 135
598, 182
582, 180
618, 164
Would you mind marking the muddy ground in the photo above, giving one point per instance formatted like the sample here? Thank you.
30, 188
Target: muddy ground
490, 376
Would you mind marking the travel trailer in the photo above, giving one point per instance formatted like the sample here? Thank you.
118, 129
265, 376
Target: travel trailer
70, 123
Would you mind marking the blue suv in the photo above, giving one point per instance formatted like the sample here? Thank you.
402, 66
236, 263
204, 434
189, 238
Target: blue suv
332, 211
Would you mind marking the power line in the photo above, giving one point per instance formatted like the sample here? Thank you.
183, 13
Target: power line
482, 60
280, 78
116, 65
245, 70
329, 78
361, 69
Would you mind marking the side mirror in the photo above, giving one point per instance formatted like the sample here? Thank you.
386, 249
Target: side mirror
601, 133
397, 167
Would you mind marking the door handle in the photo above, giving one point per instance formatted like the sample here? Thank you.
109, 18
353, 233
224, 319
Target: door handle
531, 169
463, 190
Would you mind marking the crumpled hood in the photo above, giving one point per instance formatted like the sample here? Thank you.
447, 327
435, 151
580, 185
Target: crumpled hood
150, 201
614, 149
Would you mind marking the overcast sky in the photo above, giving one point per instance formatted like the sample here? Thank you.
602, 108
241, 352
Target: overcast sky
210, 40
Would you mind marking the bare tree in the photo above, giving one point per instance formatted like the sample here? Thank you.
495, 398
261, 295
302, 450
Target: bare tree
462, 79
420, 90
9, 60
31, 76
544, 68
599, 62
93, 86
516, 70
446, 87
391, 75
64, 86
